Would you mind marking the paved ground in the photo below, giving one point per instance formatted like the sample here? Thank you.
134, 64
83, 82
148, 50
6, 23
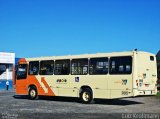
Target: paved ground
13, 107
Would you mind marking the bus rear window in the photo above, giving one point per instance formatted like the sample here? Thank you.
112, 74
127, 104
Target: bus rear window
151, 58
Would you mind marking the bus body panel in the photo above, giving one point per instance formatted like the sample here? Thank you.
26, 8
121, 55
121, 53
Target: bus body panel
21, 87
108, 86
146, 74
120, 85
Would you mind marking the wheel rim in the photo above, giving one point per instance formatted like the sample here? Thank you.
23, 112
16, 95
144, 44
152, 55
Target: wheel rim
32, 93
86, 96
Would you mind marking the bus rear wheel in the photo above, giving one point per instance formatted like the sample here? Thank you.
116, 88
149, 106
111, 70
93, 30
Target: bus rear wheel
86, 96
33, 93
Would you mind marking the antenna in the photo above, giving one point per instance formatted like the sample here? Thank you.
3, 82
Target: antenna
135, 49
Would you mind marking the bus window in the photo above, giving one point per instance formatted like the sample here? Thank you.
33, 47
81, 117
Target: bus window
33, 67
121, 65
79, 66
22, 71
151, 58
46, 67
62, 67
98, 66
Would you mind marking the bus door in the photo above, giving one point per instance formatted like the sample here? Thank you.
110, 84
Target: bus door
21, 79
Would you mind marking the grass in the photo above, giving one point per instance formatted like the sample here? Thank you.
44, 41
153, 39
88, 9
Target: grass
158, 94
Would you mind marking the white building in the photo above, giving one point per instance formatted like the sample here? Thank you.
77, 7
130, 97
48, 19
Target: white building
7, 61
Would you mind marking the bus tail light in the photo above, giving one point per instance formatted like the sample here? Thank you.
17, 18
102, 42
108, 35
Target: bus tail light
137, 82
146, 85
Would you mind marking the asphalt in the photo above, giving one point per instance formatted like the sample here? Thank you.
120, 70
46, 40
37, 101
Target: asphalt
14, 106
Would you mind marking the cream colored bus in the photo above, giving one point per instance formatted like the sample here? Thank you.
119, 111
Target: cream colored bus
88, 76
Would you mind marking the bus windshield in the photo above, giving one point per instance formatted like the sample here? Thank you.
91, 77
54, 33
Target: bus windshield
22, 71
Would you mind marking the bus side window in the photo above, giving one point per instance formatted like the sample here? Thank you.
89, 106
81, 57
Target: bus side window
121, 65
113, 68
98, 66
46, 67
79, 67
33, 67
62, 67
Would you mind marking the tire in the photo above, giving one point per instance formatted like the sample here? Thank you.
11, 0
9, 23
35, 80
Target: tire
33, 94
86, 96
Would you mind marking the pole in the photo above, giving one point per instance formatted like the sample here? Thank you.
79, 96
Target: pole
7, 82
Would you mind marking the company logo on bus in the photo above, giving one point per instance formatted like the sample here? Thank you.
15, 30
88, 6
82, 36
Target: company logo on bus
124, 81
61, 81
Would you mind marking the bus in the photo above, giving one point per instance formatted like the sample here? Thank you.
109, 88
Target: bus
88, 76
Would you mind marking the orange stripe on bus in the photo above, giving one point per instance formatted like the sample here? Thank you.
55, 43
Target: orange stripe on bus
50, 92
22, 85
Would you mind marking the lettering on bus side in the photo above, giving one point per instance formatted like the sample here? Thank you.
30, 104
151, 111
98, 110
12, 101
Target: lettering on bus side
123, 82
61, 81
124, 92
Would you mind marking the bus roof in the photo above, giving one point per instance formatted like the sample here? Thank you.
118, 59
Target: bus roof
128, 53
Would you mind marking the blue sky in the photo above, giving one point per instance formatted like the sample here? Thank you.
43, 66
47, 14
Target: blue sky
32, 28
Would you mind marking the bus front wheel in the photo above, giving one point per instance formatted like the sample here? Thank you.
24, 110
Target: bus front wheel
33, 93
86, 96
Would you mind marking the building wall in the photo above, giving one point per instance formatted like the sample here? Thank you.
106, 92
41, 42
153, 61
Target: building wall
4, 77
7, 61
3, 84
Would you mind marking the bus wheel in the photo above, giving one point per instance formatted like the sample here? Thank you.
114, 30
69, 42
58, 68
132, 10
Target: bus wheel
33, 93
86, 96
